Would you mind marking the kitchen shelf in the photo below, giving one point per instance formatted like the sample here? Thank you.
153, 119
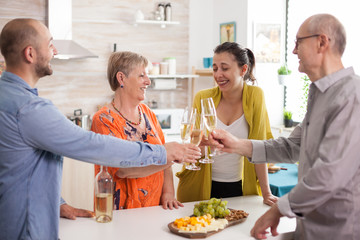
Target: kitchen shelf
203, 72
206, 72
189, 77
174, 76
155, 22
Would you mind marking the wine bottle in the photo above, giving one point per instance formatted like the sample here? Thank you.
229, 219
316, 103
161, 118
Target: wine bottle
104, 202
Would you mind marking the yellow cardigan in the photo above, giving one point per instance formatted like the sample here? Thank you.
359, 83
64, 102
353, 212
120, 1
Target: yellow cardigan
196, 185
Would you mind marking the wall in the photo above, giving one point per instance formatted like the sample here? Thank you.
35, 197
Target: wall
201, 22
245, 13
83, 84
262, 11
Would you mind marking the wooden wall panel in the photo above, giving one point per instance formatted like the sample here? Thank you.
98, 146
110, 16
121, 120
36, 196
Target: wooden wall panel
23, 9
97, 25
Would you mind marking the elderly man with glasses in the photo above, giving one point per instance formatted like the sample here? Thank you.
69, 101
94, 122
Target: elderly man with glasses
326, 200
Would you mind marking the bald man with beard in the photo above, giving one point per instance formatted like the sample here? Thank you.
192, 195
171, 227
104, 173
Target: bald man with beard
34, 135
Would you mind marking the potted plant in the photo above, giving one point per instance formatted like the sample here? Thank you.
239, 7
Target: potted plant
304, 97
283, 72
288, 122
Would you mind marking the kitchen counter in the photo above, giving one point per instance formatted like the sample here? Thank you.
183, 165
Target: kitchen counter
151, 223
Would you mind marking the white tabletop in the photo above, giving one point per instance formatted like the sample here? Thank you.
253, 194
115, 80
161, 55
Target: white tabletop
151, 223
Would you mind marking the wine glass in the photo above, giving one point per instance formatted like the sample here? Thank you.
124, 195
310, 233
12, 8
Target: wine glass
196, 133
209, 114
206, 158
185, 126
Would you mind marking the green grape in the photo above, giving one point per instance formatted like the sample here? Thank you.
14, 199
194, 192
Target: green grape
227, 212
215, 207
221, 210
212, 212
196, 212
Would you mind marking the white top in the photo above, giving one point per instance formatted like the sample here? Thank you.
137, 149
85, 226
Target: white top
150, 223
227, 167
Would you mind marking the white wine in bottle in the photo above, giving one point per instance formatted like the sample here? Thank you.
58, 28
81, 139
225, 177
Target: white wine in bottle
104, 202
104, 207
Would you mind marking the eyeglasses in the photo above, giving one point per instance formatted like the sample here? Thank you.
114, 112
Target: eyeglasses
297, 40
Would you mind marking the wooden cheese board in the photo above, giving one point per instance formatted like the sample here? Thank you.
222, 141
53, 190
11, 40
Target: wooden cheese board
195, 235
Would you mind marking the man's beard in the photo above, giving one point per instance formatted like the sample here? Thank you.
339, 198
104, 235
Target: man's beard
42, 68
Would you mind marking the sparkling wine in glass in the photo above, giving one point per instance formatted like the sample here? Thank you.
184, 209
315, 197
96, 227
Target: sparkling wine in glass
185, 127
196, 133
208, 112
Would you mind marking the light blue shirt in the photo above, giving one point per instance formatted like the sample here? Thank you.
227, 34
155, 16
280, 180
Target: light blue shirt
34, 136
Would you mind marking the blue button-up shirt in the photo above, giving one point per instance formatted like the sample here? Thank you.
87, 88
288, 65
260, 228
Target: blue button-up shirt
34, 136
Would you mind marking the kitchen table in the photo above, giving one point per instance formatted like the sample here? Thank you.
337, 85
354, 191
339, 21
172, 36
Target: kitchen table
283, 181
151, 223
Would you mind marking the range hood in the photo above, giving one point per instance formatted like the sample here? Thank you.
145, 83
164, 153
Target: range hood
60, 26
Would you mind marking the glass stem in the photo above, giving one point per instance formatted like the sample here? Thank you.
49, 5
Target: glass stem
206, 150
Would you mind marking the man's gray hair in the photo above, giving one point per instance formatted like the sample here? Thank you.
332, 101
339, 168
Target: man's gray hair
332, 27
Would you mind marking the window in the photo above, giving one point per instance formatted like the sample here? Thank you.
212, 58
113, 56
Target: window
298, 11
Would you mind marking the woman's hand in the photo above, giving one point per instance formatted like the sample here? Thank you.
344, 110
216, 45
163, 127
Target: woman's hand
168, 201
269, 199
180, 153
210, 141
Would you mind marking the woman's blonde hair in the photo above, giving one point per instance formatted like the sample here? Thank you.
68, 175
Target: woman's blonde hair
123, 62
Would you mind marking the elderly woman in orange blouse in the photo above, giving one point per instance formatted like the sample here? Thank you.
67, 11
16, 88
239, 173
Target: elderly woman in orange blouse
128, 118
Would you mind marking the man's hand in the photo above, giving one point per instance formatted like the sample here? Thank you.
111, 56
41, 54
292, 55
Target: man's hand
67, 211
179, 153
211, 142
270, 219
232, 144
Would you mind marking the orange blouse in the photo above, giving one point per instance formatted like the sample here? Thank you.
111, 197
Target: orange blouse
132, 192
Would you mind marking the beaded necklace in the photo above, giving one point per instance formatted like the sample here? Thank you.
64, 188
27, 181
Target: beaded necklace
133, 123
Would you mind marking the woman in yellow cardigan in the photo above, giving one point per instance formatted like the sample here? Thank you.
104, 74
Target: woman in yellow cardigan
241, 110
